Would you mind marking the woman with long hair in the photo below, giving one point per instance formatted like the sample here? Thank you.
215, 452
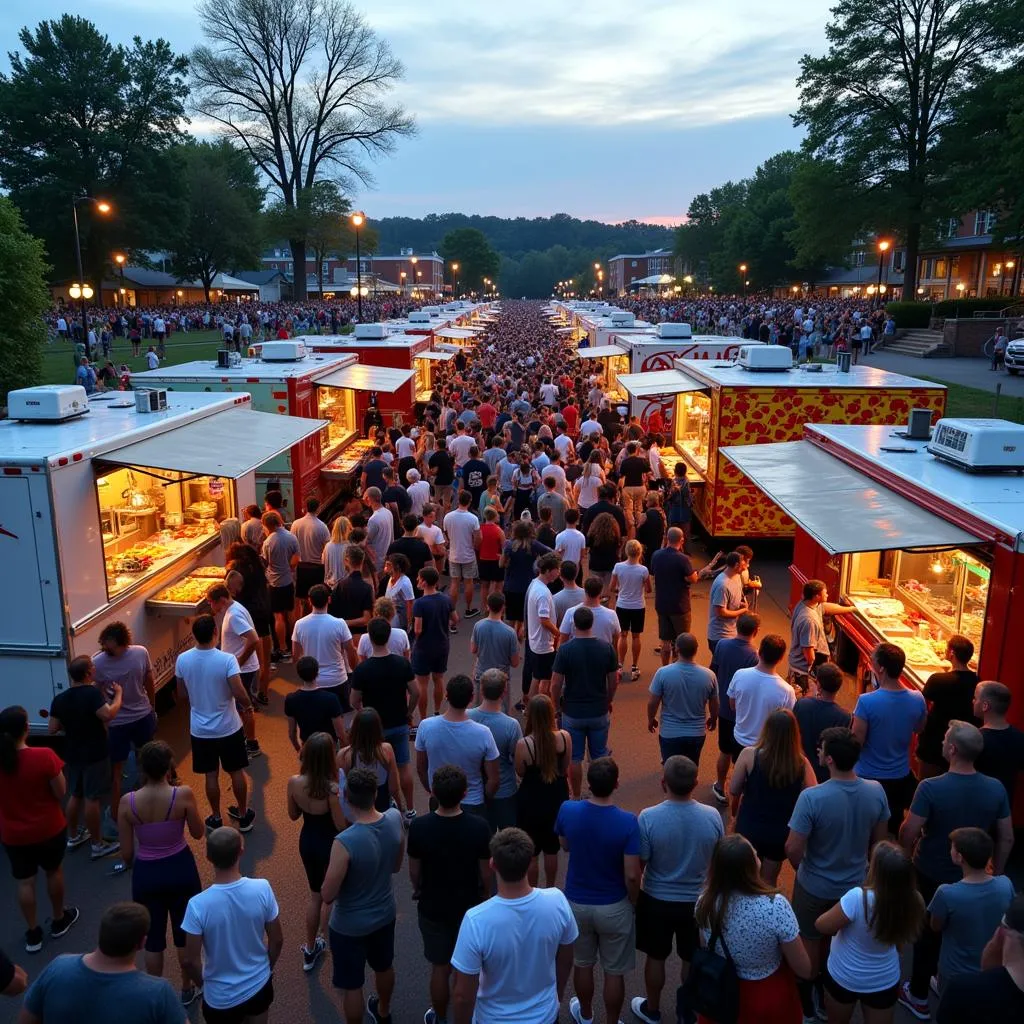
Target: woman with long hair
334, 551
592, 477
517, 559
368, 749
33, 829
542, 761
751, 919
869, 924
765, 785
525, 481
254, 597
314, 796
164, 876
398, 587
604, 539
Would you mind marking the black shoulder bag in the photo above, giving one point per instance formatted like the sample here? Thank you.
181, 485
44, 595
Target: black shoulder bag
712, 988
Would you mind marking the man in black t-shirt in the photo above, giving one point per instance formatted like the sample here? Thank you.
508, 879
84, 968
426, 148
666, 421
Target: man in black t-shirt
605, 503
442, 473
311, 709
82, 712
474, 477
449, 867
816, 714
414, 547
352, 598
1003, 755
673, 575
385, 682
373, 471
950, 697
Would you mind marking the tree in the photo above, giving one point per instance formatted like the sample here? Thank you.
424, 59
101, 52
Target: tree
474, 255
23, 301
302, 86
80, 116
222, 226
879, 100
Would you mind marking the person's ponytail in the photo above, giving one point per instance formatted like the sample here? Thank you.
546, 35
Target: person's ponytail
13, 727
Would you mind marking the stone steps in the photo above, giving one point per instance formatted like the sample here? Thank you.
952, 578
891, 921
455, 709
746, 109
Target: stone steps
919, 342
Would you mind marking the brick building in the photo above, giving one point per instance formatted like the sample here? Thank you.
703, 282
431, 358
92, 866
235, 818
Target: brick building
626, 268
423, 271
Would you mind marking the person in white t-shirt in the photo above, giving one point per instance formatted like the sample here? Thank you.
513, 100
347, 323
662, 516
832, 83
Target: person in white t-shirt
541, 630
238, 637
418, 491
463, 531
754, 693
606, 622
398, 640
405, 445
460, 444
211, 681
320, 635
152, 359
631, 582
571, 543
549, 393
514, 952
313, 535
433, 535
232, 936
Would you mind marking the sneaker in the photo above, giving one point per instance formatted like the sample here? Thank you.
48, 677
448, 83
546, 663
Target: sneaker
34, 939
80, 838
262, 699
453, 630
190, 995
214, 821
574, 1010
933, 984
918, 1007
639, 1007
635, 674
520, 706
63, 925
430, 1016
102, 849
310, 958
285, 656
247, 821
373, 1010
234, 812
716, 792
252, 748
408, 818
276, 655
470, 612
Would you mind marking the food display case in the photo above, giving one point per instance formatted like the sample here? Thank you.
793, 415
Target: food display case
187, 596
718, 405
338, 407
343, 467
606, 362
428, 364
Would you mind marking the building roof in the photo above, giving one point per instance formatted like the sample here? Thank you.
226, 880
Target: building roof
865, 275
640, 255
259, 277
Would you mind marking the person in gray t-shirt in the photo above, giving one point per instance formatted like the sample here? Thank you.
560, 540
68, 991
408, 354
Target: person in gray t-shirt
687, 695
494, 642
501, 808
727, 601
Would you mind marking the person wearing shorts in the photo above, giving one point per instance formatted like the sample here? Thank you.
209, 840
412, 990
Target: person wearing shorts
433, 618
358, 882
631, 582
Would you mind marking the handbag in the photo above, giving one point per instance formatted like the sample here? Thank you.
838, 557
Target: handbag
712, 988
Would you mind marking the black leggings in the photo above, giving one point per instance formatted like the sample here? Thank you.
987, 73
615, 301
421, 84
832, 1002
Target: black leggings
164, 888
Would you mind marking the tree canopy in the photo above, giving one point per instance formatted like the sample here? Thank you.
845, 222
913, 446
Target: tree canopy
476, 259
81, 116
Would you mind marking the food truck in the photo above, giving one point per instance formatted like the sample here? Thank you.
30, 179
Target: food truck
109, 510
756, 400
596, 329
286, 379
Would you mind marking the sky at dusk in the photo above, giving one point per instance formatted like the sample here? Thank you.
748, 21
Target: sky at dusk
607, 110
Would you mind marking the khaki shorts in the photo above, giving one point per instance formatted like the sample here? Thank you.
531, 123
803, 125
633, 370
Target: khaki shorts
607, 933
462, 570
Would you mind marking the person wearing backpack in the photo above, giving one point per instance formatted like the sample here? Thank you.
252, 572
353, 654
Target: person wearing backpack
679, 503
751, 945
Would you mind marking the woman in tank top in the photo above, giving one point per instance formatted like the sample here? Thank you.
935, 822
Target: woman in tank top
314, 796
542, 763
368, 749
590, 480
151, 822
765, 785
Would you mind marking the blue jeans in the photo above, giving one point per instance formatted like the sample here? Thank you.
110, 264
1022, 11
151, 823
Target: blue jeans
591, 732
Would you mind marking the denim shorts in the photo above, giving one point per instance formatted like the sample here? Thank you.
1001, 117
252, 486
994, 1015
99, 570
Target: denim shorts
398, 737
121, 738
592, 732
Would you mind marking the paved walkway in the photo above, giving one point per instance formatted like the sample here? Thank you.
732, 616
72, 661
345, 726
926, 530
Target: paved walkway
974, 373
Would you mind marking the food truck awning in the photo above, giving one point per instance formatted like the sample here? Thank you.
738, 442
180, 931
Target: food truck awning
457, 332
658, 382
843, 510
564, 330
228, 444
444, 357
598, 352
360, 377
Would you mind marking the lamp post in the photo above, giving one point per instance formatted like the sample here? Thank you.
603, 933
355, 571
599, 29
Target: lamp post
415, 274
743, 277
402, 276
883, 248
358, 220
455, 281
599, 277
120, 259
103, 207
1010, 264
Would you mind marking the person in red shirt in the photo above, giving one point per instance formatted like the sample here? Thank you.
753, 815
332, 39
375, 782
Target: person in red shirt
571, 415
656, 421
487, 414
32, 825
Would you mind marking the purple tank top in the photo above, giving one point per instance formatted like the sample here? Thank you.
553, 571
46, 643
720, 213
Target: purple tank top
159, 839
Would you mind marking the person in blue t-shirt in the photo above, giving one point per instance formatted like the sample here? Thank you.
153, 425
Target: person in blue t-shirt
602, 885
433, 617
885, 722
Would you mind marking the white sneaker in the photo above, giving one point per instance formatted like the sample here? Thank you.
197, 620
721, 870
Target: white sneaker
574, 1010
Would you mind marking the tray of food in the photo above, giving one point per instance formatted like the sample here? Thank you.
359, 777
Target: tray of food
880, 607
893, 627
925, 653
183, 597
208, 572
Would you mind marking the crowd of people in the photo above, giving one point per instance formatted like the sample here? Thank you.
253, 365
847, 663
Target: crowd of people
525, 503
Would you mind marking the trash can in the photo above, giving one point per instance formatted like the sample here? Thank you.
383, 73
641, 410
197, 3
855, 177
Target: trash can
843, 361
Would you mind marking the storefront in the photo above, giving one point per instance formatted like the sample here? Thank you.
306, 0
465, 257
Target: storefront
713, 406
606, 362
428, 364
115, 515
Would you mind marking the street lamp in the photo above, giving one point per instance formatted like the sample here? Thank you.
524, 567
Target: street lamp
402, 277
415, 273
1010, 264
103, 207
600, 276
455, 280
358, 220
120, 259
883, 248
743, 275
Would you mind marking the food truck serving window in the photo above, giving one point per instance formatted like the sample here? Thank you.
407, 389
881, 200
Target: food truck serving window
150, 521
920, 598
692, 425
338, 407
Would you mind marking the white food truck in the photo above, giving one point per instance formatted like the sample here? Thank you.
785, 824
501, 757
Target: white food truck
110, 510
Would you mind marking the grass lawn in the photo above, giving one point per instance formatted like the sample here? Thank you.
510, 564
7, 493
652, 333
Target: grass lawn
59, 357
962, 401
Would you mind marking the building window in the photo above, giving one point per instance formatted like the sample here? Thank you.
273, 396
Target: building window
858, 258
954, 266
899, 260
984, 222
940, 268
327, 268
953, 227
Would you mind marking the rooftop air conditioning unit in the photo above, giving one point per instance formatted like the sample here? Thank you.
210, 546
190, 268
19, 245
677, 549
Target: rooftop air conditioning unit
282, 351
622, 319
764, 358
431, 310
673, 331
371, 332
978, 445
48, 403
419, 316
